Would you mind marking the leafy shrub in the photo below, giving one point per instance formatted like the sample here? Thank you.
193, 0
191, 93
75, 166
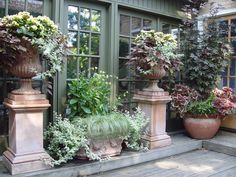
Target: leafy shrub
137, 122
63, 139
206, 52
89, 96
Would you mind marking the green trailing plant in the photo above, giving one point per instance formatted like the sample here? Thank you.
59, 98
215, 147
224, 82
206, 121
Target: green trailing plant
137, 124
89, 95
64, 139
40, 32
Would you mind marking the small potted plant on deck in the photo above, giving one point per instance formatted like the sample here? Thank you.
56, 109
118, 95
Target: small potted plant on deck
27, 41
154, 54
202, 116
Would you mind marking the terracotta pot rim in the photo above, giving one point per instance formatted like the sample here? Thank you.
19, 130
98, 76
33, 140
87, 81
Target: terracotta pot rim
203, 116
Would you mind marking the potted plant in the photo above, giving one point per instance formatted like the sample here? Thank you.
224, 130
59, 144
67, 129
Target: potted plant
95, 137
27, 41
90, 104
154, 54
202, 116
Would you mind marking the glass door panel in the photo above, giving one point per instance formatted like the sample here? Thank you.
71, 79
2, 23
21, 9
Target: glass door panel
86, 33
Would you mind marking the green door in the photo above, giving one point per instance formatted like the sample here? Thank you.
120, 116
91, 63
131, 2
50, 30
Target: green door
85, 27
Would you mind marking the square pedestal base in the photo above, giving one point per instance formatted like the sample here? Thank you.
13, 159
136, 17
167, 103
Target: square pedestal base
156, 141
25, 163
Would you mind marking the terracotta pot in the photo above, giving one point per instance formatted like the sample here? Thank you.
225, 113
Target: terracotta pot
27, 66
202, 126
103, 148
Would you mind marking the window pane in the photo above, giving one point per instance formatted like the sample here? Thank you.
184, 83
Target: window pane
84, 43
2, 8
72, 42
124, 25
232, 67
223, 28
233, 27
124, 47
147, 24
35, 7
233, 45
95, 38
175, 32
94, 65
136, 26
84, 64
95, 20
123, 69
73, 17
166, 28
15, 6
84, 19
71, 67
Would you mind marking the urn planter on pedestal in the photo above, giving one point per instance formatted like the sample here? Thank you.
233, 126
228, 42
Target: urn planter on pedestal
26, 105
22, 39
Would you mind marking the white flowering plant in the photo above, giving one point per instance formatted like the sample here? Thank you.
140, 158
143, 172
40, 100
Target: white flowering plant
40, 32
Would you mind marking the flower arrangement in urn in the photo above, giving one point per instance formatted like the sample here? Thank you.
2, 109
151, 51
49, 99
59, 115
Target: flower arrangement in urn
154, 53
23, 38
202, 116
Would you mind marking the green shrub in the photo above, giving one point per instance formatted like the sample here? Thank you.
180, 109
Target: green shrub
89, 96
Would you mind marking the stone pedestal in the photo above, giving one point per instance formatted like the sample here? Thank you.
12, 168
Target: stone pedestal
25, 152
153, 103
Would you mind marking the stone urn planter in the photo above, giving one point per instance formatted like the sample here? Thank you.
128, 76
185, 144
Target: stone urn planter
158, 72
27, 66
103, 148
202, 126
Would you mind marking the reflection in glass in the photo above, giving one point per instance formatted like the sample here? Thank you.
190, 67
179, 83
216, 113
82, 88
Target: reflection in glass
124, 25
84, 43
95, 20
72, 42
94, 65
147, 24
124, 47
232, 67
72, 17
2, 9
166, 28
233, 46
223, 27
14, 6
136, 26
84, 19
83, 64
175, 32
71, 67
95, 44
35, 7
233, 27
123, 69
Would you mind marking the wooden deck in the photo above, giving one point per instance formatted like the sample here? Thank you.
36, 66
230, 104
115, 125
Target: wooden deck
200, 163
